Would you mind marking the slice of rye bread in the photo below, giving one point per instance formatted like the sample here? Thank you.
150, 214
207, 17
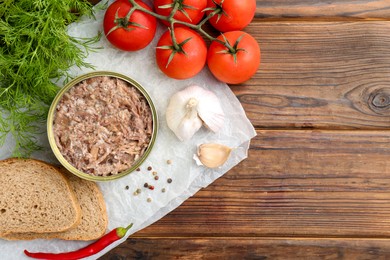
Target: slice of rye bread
35, 197
94, 218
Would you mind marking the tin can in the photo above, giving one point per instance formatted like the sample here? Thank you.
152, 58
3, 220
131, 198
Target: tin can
57, 151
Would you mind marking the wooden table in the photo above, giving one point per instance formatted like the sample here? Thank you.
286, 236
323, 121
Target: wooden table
317, 181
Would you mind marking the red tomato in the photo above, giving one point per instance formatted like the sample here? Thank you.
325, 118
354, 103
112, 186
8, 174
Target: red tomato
234, 68
137, 34
186, 62
189, 11
236, 14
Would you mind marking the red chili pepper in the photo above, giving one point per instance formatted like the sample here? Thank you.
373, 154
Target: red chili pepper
89, 250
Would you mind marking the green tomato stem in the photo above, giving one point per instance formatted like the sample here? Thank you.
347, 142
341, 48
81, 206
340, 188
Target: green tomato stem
172, 24
173, 37
128, 15
140, 8
215, 12
174, 10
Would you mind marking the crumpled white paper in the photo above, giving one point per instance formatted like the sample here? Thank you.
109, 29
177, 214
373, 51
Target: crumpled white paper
187, 178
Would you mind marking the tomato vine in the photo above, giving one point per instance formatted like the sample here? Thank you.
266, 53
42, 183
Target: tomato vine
173, 52
172, 21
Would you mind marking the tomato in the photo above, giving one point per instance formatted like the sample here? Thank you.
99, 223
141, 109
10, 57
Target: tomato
235, 14
189, 11
234, 68
186, 62
135, 35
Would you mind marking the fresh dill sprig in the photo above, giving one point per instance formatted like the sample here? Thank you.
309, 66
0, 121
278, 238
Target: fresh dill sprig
35, 51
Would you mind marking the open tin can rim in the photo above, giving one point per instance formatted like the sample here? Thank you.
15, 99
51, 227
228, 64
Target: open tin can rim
51, 115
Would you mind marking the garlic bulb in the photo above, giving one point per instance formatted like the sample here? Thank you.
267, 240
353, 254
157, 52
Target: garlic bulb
192, 107
212, 155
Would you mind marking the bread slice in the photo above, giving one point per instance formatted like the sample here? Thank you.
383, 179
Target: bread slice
94, 218
35, 197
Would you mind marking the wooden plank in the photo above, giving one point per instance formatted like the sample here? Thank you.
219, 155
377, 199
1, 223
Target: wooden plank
317, 8
278, 9
250, 248
332, 75
295, 184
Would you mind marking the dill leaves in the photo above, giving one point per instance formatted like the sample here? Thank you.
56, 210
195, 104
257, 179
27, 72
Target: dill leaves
35, 52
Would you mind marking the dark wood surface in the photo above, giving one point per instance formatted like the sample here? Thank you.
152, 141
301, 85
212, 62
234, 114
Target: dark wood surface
334, 9
317, 180
251, 248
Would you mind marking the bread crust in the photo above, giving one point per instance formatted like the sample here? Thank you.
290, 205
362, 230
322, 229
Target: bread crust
71, 199
85, 230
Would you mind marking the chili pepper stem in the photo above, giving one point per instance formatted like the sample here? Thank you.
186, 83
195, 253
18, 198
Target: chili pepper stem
121, 232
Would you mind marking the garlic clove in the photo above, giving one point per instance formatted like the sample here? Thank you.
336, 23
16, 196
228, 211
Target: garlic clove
191, 107
213, 155
210, 111
181, 110
176, 111
187, 128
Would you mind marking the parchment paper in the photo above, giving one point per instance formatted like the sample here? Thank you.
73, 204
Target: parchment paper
187, 178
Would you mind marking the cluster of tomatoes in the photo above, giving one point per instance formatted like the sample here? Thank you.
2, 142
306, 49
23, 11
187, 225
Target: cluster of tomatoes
233, 57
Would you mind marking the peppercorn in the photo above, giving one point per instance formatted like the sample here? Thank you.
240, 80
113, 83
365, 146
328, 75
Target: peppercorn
127, 187
156, 177
138, 169
151, 187
149, 168
169, 180
154, 173
149, 200
163, 190
169, 161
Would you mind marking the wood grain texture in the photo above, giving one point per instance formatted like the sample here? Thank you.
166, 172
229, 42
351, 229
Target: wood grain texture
250, 248
301, 194
294, 183
332, 75
323, 8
